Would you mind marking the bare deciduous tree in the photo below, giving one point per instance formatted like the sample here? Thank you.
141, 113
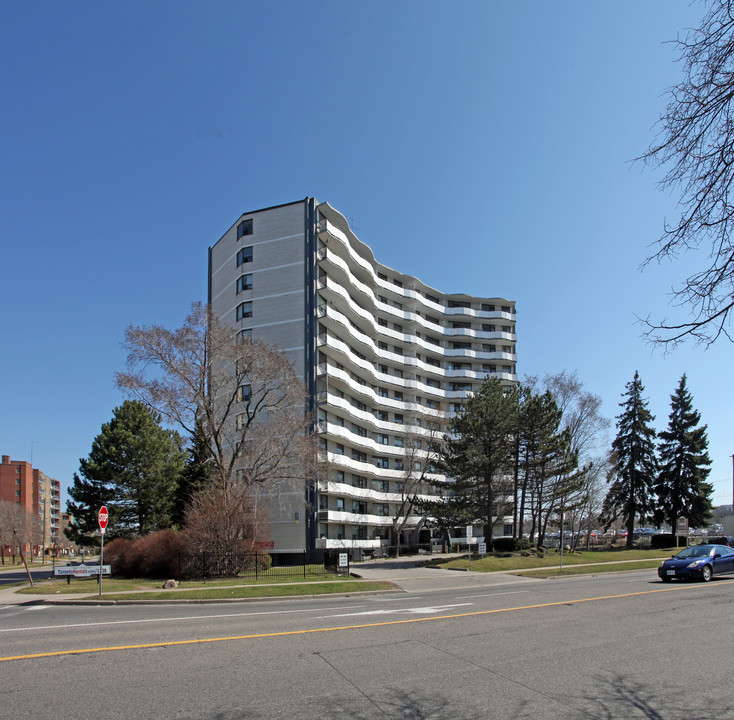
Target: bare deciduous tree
695, 142
421, 447
244, 395
17, 526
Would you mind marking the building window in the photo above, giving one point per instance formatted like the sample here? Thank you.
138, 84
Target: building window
244, 282
398, 418
244, 333
383, 439
340, 504
339, 449
359, 456
382, 392
245, 392
244, 228
244, 310
244, 255
381, 462
340, 477
398, 395
399, 465
240, 421
381, 415
487, 308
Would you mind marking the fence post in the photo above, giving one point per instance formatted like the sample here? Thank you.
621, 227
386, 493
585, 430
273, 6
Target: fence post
257, 563
304, 564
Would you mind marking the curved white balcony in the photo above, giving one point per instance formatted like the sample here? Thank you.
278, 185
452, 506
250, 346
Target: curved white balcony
413, 289
334, 544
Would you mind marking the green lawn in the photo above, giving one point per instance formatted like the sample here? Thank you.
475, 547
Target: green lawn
253, 591
592, 569
552, 559
112, 585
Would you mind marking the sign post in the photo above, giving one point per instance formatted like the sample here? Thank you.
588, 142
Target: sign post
469, 534
102, 518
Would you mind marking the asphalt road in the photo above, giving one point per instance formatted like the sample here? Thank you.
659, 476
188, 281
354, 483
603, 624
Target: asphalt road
610, 646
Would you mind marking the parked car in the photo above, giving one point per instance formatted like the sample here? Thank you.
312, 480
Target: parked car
721, 540
698, 562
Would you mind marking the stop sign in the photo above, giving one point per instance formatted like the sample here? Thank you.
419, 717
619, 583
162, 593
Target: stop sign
102, 518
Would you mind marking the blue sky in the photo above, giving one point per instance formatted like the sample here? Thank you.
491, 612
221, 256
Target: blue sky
484, 147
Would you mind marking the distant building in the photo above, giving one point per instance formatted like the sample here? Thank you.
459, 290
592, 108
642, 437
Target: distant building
37, 494
384, 358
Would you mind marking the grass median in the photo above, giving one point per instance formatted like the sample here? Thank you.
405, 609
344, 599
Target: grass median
226, 589
547, 564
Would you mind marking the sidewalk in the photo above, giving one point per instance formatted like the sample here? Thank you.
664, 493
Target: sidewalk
411, 575
408, 574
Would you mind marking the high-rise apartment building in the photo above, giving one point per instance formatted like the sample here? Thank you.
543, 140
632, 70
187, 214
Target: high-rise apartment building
36, 494
385, 358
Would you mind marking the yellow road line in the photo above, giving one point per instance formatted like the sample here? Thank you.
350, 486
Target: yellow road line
170, 643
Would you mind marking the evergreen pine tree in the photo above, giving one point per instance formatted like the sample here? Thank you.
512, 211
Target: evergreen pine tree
681, 485
478, 455
196, 475
133, 469
635, 466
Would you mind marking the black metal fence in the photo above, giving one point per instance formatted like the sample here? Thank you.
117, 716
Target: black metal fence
258, 564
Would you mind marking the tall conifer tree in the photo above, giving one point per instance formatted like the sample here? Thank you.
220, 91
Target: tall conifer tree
630, 495
133, 469
681, 484
478, 455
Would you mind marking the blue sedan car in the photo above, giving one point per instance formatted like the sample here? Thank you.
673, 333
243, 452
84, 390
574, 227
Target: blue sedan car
700, 562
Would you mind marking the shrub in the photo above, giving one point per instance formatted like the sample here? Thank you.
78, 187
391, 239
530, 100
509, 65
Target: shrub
666, 540
152, 556
116, 555
505, 544
158, 553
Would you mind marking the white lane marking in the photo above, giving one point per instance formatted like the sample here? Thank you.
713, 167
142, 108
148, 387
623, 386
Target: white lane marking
511, 592
416, 611
21, 610
396, 599
167, 619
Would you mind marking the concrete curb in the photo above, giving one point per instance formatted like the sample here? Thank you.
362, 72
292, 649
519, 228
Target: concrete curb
212, 601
